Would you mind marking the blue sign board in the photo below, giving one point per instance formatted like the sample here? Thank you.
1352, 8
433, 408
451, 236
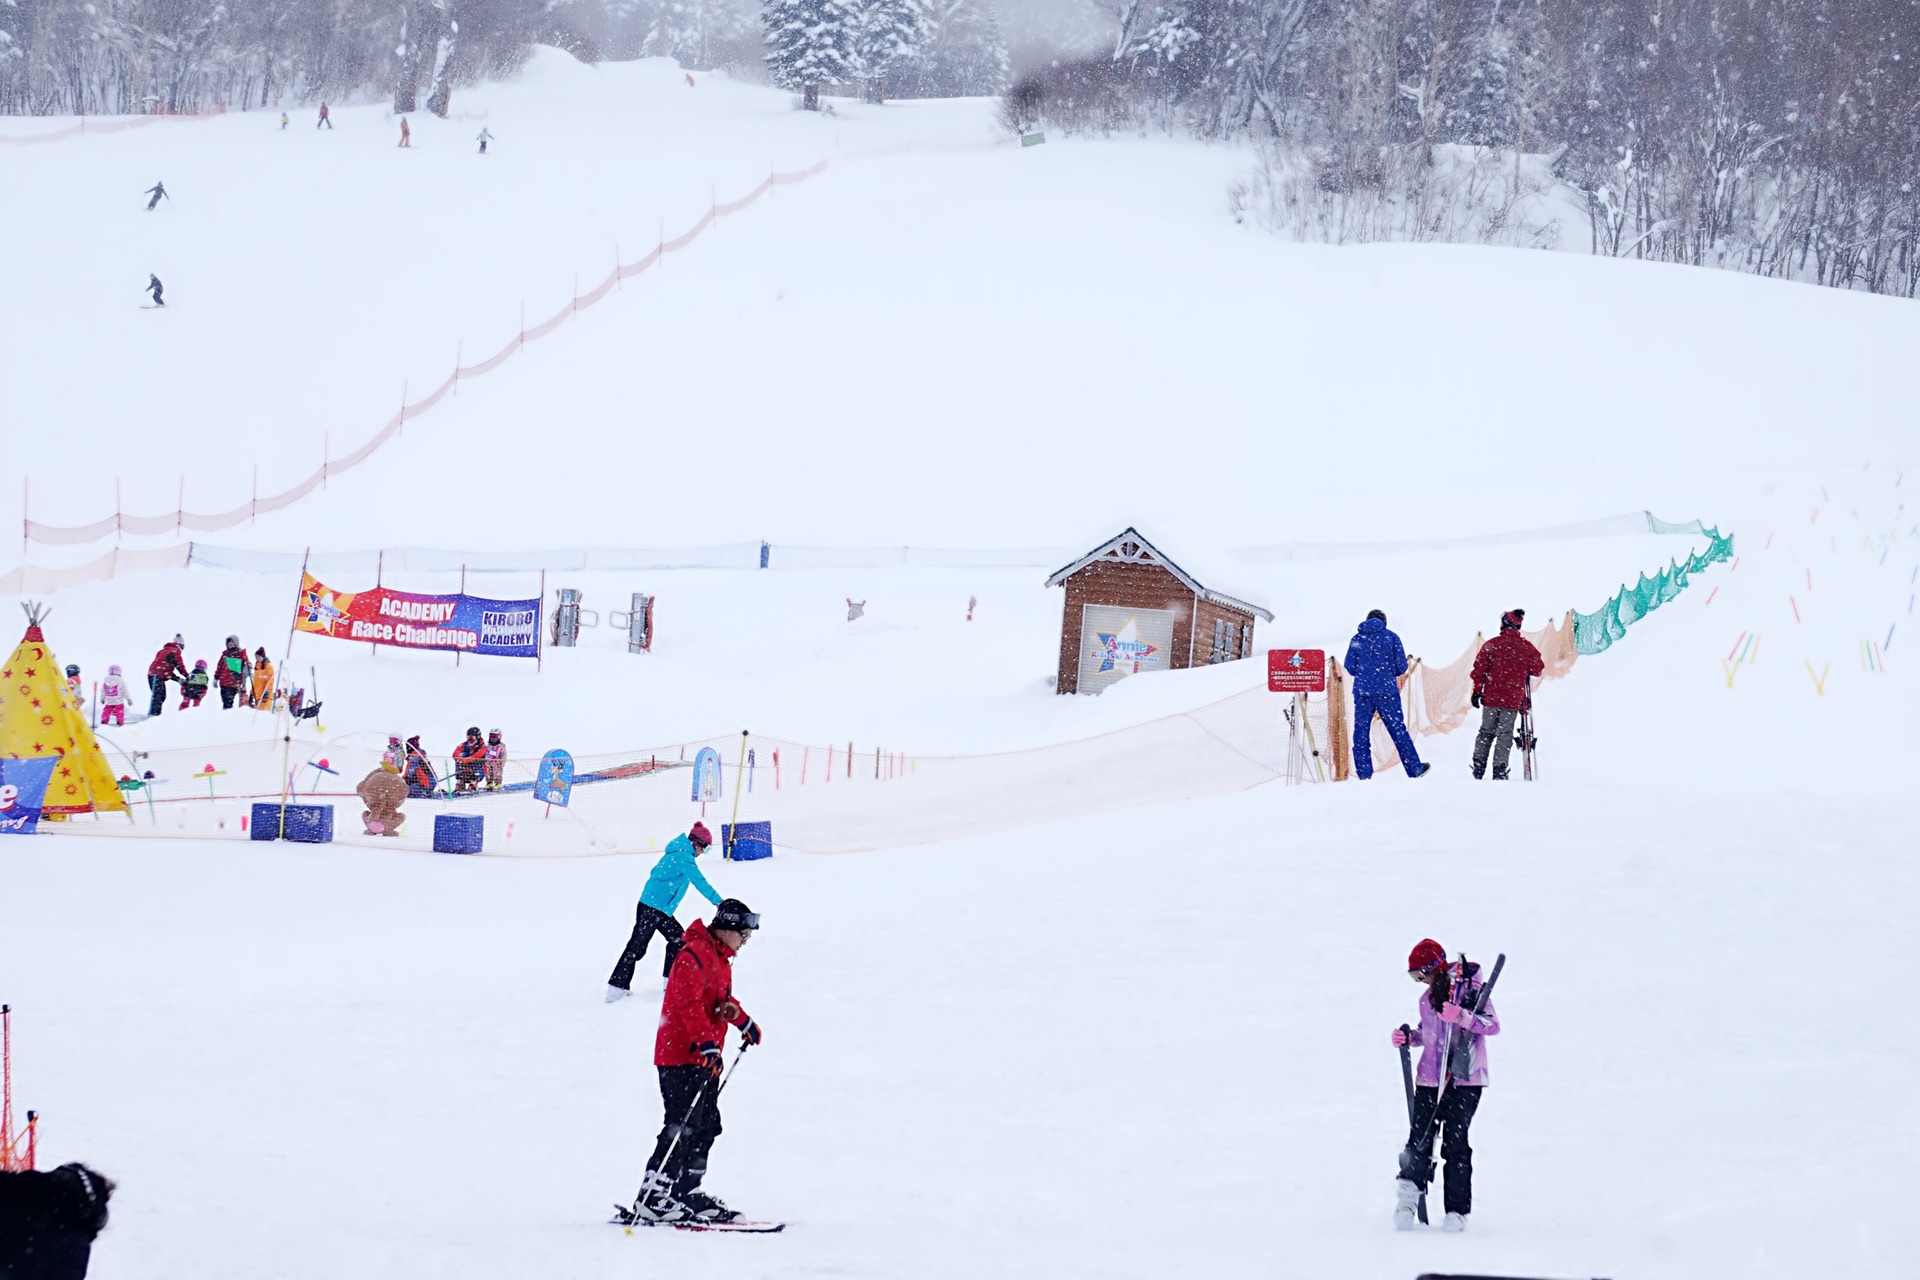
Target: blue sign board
706, 775
554, 783
23, 788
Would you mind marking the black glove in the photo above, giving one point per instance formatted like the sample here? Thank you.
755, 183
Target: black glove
1475, 699
709, 1057
750, 1034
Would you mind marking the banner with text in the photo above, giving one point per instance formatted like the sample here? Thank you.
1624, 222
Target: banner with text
409, 620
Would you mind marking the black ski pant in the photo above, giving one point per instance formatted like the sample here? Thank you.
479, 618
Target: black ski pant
690, 1098
1450, 1125
228, 692
645, 922
159, 686
1496, 733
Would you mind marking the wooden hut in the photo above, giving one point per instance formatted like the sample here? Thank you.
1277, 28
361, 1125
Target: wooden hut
1130, 609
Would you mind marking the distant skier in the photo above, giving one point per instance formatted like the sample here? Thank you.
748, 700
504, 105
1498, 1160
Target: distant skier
406, 133
233, 672
1376, 659
1445, 1026
159, 192
284, 122
260, 693
193, 690
672, 876
113, 697
484, 137
856, 609
75, 689
156, 289
496, 759
694, 1015
469, 761
418, 772
167, 665
326, 118
1503, 673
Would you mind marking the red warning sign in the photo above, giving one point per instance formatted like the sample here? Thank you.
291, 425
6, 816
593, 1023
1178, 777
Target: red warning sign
1297, 670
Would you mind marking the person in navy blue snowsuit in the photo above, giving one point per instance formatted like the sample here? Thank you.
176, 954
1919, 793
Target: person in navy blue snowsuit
1375, 661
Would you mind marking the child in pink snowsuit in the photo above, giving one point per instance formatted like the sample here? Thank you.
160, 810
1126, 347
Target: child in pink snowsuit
113, 697
496, 761
1448, 1028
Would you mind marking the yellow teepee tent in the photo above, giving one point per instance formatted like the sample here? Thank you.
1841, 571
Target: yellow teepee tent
38, 718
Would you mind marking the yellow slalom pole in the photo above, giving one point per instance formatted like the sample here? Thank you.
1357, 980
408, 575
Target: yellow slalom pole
739, 785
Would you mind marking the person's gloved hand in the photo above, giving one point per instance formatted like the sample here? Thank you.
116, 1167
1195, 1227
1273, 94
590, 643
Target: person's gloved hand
1399, 1037
709, 1057
1451, 1012
1475, 699
750, 1034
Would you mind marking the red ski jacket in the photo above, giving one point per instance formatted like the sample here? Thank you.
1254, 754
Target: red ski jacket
1501, 668
168, 662
701, 981
470, 751
232, 677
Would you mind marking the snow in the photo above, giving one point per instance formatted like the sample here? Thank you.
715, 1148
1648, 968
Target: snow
1126, 1044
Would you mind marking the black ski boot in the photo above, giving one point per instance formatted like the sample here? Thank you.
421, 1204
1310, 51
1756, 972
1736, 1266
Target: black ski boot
706, 1208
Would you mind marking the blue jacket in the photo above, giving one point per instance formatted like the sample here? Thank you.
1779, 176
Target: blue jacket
672, 876
1374, 659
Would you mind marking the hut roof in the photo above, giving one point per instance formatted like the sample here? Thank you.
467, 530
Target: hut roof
1129, 547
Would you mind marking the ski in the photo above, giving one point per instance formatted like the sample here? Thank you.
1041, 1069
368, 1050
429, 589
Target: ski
623, 1217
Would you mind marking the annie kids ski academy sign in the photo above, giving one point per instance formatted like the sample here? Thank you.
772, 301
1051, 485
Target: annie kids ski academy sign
408, 620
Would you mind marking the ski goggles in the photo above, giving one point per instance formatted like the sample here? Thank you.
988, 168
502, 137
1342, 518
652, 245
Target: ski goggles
738, 921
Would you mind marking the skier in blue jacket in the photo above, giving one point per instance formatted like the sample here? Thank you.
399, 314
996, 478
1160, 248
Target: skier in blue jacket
1375, 661
672, 876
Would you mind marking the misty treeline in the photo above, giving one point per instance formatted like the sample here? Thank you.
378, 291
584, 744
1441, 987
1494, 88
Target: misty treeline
64, 57
1780, 137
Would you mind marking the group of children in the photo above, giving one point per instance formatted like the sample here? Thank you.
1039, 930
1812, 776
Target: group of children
243, 680
477, 764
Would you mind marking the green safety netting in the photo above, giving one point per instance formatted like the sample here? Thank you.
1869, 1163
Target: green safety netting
1595, 632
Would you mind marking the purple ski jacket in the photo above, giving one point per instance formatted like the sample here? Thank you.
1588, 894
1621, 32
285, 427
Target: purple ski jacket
1431, 1033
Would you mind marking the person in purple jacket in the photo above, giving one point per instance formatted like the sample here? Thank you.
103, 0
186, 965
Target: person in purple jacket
1447, 1029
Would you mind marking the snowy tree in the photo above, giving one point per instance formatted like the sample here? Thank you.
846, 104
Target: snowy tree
891, 39
965, 53
705, 34
811, 43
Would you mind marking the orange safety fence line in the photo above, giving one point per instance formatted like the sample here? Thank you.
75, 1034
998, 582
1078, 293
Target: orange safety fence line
113, 126
182, 520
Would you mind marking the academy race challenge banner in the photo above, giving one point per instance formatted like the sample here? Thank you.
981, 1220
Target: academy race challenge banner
407, 620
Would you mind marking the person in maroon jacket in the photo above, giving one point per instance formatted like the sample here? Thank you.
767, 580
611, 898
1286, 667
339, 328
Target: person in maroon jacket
168, 664
1503, 674
232, 672
694, 1015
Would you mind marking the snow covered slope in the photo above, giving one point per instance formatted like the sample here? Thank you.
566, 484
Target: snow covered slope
1132, 1044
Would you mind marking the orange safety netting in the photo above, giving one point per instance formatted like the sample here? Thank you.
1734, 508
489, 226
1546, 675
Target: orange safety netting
86, 126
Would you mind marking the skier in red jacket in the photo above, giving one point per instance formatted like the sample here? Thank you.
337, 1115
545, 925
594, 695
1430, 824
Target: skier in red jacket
1503, 673
168, 664
694, 1015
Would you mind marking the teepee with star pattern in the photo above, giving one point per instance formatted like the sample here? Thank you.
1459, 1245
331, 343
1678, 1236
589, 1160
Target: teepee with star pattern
39, 718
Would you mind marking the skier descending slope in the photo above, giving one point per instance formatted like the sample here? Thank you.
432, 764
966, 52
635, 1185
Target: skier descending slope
1446, 1094
694, 1016
1376, 659
156, 289
159, 192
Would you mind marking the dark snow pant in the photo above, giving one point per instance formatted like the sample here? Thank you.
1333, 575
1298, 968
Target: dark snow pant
645, 921
228, 692
1496, 732
151, 203
691, 1099
37, 1251
158, 684
156, 299
1387, 704
1456, 1115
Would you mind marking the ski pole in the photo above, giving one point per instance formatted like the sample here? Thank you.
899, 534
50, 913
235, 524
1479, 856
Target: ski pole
640, 1200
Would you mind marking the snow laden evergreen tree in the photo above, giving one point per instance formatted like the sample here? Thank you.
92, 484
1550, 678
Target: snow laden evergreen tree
964, 54
891, 41
811, 43
703, 34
